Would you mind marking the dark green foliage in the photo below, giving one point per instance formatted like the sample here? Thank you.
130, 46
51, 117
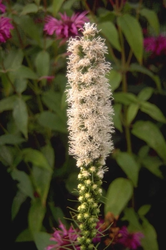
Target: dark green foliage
38, 177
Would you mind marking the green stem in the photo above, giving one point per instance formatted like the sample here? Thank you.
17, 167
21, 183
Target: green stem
89, 10
129, 58
123, 56
40, 105
128, 135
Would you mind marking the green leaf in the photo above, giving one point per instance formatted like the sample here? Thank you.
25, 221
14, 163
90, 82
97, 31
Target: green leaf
42, 63
37, 2
57, 213
133, 33
10, 139
7, 103
56, 5
72, 182
132, 112
143, 152
106, 15
47, 42
29, 8
61, 82
131, 216
6, 156
24, 72
20, 84
31, 29
153, 111
36, 158
13, 60
149, 132
24, 182
68, 4
139, 68
42, 177
157, 80
42, 240
153, 165
152, 18
145, 93
117, 117
17, 202
52, 121
144, 210
125, 98
115, 78
6, 84
149, 241
25, 236
48, 152
110, 32
53, 101
64, 103
128, 165
20, 115
118, 195
36, 216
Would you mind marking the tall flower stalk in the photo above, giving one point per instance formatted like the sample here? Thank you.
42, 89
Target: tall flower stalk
89, 124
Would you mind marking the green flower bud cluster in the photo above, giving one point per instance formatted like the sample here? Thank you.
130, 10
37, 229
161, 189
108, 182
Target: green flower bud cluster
90, 193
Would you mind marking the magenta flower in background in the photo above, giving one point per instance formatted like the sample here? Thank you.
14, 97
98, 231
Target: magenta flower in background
155, 45
2, 7
130, 240
5, 27
65, 27
64, 239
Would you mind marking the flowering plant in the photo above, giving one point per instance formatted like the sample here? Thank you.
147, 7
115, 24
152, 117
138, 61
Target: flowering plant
90, 124
55, 100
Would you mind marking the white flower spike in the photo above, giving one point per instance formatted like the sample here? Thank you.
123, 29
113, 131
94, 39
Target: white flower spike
89, 123
89, 98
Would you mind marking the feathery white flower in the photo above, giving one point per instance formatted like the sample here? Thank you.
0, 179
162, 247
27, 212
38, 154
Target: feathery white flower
89, 98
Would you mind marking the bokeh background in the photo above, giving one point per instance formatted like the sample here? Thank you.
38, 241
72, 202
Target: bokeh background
38, 177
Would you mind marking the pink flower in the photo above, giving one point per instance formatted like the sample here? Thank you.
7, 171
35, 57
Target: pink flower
155, 45
64, 239
5, 27
2, 7
67, 26
130, 240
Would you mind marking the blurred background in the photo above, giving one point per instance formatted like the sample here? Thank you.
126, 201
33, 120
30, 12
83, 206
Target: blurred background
38, 177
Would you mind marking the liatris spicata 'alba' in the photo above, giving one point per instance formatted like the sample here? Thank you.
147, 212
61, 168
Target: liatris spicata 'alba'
89, 123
